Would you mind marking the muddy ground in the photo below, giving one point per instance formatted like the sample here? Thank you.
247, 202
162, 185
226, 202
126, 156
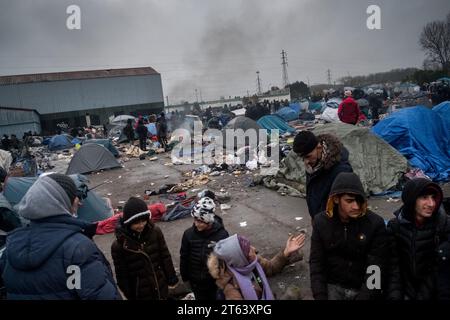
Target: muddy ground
263, 215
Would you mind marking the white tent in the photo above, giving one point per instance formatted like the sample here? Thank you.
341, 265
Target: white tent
123, 118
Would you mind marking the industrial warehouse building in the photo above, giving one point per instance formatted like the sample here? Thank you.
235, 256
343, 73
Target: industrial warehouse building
81, 98
17, 121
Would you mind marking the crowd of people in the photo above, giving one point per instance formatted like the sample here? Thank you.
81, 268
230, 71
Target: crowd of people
354, 255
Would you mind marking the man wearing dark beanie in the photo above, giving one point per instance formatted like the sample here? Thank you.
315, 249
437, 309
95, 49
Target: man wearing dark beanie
52, 258
324, 158
347, 241
143, 264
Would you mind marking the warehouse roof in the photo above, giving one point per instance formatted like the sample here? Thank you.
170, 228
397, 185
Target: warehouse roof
76, 75
18, 109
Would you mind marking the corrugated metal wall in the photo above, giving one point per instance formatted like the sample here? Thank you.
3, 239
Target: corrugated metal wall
18, 121
72, 95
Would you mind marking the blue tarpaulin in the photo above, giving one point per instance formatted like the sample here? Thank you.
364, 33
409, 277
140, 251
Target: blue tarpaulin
422, 136
295, 106
315, 106
274, 122
93, 208
151, 128
287, 114
443, 109
60, 142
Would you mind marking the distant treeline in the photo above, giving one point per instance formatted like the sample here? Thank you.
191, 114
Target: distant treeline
381, 77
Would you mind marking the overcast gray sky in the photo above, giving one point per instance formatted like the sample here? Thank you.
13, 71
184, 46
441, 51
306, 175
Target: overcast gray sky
215, 46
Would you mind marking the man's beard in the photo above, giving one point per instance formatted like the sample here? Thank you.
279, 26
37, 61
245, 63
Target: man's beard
310, 170
319, 163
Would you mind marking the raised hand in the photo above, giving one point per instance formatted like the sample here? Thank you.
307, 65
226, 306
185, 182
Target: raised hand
293, 244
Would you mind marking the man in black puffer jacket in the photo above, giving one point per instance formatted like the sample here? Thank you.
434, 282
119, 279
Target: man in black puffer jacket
198, 242
347, 238
324, 157
416, 232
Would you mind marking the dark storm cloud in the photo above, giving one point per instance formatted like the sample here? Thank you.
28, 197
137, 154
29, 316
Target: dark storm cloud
215, 46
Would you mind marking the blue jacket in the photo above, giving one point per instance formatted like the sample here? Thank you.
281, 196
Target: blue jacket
37, 257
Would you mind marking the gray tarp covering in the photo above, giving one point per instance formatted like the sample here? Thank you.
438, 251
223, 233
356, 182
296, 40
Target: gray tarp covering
92, 157
375, 161
246, 124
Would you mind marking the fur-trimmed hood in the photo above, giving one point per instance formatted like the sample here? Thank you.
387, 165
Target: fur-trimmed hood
335, 150
214, 265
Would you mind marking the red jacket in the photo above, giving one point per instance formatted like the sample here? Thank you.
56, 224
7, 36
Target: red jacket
349, 111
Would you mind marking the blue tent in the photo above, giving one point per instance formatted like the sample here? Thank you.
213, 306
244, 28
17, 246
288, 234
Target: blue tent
60, 142
93, 208
422, 136
315, 106
443, 109
106, 143
287, 114
75, 141
271, 122
295, 106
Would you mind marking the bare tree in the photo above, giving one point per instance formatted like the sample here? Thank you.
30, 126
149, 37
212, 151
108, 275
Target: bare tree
435, 40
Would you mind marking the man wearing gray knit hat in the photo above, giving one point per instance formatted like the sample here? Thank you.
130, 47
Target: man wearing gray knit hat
52, 258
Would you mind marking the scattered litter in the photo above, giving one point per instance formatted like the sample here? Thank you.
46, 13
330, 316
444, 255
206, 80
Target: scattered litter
298, 218
137, 196
226, 207
109, 194
243, 224
214, 173
121, 202
223, 196
120, 177
392, 200
252, 164
222, 190
165, 177
292, 265
153, 158
297, 277
152, 183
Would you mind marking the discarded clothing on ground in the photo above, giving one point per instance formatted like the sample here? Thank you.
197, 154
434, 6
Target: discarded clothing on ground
109, 225
180, 210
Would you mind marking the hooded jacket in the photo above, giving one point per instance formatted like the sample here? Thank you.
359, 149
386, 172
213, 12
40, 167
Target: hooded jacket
195, 249
414, 250
349, 111
230, 251
40, 258
143, 263
318, 184
341, 252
